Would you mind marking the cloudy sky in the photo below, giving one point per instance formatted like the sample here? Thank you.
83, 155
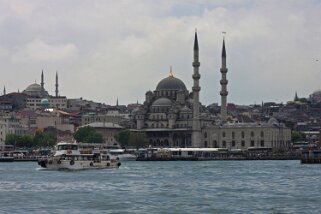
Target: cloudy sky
104, 49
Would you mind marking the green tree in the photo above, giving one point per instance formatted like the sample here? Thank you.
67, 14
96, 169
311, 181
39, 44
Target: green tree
88, 134
26, 141
42, 139
11, 139
123, 137
138, 139
298, 136
39, 139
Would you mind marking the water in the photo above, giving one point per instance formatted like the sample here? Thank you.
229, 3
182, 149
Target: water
164, 187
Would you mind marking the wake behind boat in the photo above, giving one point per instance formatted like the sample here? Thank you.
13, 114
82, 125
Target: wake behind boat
68, 156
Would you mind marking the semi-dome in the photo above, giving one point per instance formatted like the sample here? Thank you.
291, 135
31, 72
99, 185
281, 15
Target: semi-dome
163, 101
170, 83
35, 90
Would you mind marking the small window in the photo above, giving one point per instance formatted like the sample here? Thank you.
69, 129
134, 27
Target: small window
233, 143
243, 143
215, 144
243, 134
262, 143
233, 135
262, 134
223, 134
252, 143
252, 134
205, 134
224, 144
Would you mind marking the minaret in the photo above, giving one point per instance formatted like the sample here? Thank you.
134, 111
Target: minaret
4, 90
57, 91
196, 125
223, 82
42, 81
117, 102
296, 98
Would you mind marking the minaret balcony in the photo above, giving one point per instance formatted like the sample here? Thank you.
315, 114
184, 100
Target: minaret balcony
223, 93
223, 70
196, 64
224, 82
196, 76
196, 88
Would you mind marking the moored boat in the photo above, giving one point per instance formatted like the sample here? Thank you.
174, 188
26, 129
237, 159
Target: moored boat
311, 157
68, 156
124, 155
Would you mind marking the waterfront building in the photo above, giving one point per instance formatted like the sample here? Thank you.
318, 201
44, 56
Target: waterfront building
10, 124
108, 130
110, 116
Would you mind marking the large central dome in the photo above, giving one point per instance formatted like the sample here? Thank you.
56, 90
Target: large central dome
35, 90
171, 83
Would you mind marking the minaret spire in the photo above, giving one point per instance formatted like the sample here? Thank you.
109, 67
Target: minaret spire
4, 90
223, 83
42, 81
117, 102
57, 91
296, 98
196, 125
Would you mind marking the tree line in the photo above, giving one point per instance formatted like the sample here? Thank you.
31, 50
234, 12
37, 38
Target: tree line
87, 134
39, 140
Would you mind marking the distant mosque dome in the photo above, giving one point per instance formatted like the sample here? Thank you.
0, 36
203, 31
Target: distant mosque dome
35, 90
171, 83
272, 120
44, 102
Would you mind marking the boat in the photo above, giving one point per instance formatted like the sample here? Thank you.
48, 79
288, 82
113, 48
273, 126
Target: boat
311, 156
69, 156
124, 155
6, 158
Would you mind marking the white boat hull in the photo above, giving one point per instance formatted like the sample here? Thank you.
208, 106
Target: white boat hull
53, 164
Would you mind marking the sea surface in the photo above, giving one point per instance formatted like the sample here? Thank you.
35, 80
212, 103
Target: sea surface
164, 187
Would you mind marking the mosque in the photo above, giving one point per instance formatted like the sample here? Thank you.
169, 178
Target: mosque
38, 96
171, 116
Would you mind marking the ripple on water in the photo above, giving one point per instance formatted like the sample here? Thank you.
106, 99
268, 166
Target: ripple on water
164, 187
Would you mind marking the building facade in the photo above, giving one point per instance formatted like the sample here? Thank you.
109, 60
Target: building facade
10, 125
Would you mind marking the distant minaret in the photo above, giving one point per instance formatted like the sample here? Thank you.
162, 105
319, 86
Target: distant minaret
57, 91
42, 81
196, 125
296, 98
223, 82
4, 90
117, 102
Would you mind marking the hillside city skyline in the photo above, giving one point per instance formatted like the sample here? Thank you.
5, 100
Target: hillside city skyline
272, 52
